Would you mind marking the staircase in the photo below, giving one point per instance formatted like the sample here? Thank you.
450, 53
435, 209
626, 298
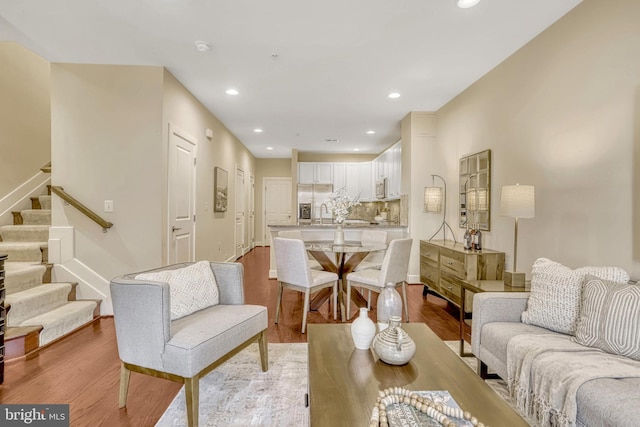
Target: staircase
38, 311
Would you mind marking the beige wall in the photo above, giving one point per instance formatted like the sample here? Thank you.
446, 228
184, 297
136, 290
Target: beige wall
215, 231
109, 141
561, 114
25, 115
106, 144
267, 168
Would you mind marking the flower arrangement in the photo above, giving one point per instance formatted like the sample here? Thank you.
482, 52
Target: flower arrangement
340, 204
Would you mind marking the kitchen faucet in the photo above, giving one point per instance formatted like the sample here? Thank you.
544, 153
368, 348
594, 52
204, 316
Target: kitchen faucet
326, 209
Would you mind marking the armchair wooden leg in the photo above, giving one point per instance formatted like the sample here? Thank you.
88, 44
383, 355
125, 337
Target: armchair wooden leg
192, 395
305, 310
124, 385
348, 303
264, 351
279, 301
335, 301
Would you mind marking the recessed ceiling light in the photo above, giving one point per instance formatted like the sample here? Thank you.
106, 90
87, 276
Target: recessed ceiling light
232, 92
269, 148
464, 4
356, 149
371, 132
257, 130
203, 46
394, 95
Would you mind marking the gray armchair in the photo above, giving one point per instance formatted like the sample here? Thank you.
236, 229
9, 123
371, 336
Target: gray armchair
185, 349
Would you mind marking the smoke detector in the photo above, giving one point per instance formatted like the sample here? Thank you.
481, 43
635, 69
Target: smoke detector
203, 46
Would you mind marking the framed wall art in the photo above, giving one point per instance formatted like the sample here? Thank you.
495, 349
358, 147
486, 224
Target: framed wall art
220, 189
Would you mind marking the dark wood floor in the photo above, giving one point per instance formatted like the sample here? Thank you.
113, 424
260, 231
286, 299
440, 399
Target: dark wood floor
83, 370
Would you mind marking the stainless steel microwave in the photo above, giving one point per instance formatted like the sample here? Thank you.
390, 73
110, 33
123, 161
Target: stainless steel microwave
381, 188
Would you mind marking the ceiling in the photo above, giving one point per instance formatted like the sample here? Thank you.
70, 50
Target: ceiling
306, 72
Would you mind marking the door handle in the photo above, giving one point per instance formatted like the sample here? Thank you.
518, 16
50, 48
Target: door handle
174, 228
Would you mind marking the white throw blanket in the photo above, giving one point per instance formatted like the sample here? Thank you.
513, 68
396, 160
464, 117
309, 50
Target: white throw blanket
545, 372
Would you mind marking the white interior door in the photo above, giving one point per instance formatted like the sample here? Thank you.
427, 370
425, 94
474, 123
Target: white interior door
240, 196
277, 204
252, 212
181, 196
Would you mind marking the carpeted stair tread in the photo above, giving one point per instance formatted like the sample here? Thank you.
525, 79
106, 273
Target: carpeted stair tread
45, 202
24, 233
36, 216
23, 251
62, 320
36, 301
20, 276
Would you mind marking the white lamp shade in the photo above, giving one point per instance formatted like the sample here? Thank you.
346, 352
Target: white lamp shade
518, 201
433, 199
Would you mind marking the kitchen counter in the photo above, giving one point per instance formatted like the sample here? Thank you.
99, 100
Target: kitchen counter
324, 232
346, 224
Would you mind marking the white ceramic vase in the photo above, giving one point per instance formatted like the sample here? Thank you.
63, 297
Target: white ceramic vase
393, 345
363, 330
338, 235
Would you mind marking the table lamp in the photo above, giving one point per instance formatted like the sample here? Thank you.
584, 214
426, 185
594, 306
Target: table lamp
517, 201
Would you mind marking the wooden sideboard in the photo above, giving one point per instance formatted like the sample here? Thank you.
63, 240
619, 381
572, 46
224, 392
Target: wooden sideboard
3, 317
443, 261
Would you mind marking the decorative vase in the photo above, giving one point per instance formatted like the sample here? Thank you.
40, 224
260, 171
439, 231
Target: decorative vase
393, 345
363, 330
338, 235
389, 304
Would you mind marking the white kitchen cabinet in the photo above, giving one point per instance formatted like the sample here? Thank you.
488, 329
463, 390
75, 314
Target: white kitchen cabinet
339, 175
352, 183
395, 171
315, 173
365, 181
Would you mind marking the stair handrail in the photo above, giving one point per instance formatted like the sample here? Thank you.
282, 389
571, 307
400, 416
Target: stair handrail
106, 225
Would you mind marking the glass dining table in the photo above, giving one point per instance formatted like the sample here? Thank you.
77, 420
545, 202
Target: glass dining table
346, 258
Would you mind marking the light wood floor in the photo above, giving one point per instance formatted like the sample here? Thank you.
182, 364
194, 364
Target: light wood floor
83, 370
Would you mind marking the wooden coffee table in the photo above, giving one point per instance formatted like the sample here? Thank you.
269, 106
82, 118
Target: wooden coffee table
344, 382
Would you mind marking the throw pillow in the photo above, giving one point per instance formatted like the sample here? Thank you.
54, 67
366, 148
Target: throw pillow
191, 288
554, 302
610, 318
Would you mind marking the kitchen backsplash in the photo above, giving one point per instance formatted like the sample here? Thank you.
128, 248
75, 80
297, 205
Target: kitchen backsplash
369, 210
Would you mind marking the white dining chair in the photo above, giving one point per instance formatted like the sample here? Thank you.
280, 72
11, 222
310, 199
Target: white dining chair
297, 234
294, 273
374, 259
394, 269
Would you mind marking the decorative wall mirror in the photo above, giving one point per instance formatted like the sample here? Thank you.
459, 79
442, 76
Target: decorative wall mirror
475, 190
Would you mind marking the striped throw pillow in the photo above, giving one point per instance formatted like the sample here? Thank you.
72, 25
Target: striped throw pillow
610, 317
554, 302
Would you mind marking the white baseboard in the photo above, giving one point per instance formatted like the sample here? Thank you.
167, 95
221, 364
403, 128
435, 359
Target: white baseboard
90, 284
413, 278
20, 198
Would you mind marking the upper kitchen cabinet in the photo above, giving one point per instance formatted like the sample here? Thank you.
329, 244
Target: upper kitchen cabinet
315, 173
345, 174
389, 165
365, 182
394, 177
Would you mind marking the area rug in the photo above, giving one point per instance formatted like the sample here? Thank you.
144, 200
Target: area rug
238, 393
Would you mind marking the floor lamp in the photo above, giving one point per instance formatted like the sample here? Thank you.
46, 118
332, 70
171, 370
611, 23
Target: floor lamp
435, 200
517, 201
